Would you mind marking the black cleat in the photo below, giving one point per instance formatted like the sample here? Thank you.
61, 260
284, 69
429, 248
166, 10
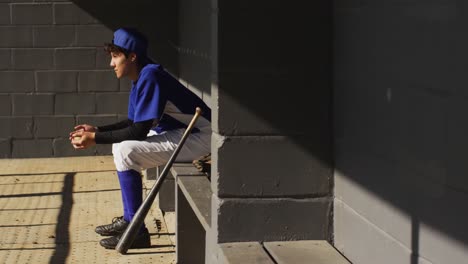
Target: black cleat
142, 240
117, 227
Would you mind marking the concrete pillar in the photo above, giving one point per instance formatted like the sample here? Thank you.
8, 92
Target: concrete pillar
271, 101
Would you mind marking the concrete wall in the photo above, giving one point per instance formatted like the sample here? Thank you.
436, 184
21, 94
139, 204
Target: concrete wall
400, 129
54, 73
194, 49
271, 98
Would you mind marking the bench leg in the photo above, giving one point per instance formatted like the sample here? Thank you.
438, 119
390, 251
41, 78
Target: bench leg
190, 235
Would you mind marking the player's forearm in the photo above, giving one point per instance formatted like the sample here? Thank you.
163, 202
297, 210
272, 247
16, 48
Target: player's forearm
136, 131
116, 126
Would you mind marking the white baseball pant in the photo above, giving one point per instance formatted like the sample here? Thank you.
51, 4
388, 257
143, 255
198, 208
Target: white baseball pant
156, 149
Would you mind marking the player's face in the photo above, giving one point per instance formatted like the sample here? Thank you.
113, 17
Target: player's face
120, 64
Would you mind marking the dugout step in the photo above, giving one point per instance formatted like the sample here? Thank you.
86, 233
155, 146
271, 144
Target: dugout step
281, 252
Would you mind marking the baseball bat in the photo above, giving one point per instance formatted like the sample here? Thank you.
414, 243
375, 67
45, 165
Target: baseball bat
130, 233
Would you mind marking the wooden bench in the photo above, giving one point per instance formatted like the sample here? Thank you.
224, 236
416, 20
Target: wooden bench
193, 212
281, 252
193, 219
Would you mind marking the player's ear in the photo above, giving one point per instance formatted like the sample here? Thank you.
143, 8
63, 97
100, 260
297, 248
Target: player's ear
132, 57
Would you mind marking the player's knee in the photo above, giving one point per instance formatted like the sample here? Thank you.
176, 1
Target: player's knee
115, 148
123, 153
124, 149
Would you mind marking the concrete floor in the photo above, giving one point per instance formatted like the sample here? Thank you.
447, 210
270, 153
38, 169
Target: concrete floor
50, 207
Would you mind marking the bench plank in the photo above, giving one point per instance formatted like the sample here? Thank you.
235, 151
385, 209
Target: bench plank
197, 190
179, 169
306, 251
244, 252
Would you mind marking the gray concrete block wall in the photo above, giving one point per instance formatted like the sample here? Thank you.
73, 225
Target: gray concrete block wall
98, 81
5, 148
4, 14
16, 36
23, 148
54, 75
20, 127
300, 174
5, 56
271, 145
46, 36
194, 49
5, 104
32, 104
75, 58
112, 103
400, 132
31, 59
16, 81
56, 81
76, 103
32, 14
271, 219
70, 14
53, 126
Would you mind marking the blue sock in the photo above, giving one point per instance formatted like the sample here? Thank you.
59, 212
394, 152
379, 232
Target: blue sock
124, 198
132, 193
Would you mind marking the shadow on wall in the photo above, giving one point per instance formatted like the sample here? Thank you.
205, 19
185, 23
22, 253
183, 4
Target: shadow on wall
400, 117
155, 18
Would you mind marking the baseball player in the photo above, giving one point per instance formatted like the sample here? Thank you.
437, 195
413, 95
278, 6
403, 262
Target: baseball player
159, 110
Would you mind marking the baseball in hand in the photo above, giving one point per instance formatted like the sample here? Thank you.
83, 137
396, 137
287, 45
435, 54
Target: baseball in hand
75, 140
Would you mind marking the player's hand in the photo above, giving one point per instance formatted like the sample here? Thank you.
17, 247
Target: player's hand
83, 127
81, 139
86, 127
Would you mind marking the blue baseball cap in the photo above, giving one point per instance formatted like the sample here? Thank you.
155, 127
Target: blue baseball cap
131, 40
